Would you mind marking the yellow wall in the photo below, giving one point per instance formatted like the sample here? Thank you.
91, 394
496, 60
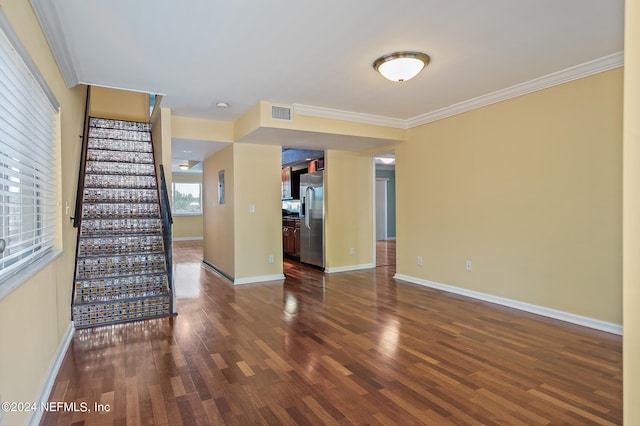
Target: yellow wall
325, 125
187, 226
349, 209
631, 277
119, 104
257, 182
529, 190
161, 137
218, 219
200, 129
35, 316
236, 241
248, 123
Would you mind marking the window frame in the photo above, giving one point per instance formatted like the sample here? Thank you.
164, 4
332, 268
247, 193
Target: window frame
174, 209
40, 257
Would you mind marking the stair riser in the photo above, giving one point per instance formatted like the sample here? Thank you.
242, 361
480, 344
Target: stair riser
119, 181
112, 210
121, 135
120, 156
119, 145
98, 227
101, 195
113, 312
119, 265
110, 246
114, 168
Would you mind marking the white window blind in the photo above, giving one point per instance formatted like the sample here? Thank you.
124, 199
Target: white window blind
27, 165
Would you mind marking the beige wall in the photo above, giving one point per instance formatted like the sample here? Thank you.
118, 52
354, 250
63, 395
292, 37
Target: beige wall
349, 209
322, 125
119, 104
238, 242
631, 277
200, 129
529, 190
218, 219
161, 137
187, 226
257, 182
35, 316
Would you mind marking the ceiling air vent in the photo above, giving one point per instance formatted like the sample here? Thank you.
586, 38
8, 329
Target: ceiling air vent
280, 113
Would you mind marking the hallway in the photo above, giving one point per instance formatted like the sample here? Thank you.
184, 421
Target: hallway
344, 348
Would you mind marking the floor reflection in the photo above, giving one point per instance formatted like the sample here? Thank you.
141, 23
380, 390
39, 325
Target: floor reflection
186, 277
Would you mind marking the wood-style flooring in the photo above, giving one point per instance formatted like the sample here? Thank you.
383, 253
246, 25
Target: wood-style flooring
352, 348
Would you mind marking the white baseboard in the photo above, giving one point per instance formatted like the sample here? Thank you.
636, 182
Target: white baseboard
188, 238
258, 279
45, 391
349, 268
240, 281
527, 307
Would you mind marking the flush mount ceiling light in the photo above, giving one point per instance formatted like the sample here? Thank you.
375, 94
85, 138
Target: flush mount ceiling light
386, 160
187, 164
222, 104
401, 66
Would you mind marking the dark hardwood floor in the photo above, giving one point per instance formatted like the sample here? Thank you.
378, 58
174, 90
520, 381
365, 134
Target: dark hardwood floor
346, 348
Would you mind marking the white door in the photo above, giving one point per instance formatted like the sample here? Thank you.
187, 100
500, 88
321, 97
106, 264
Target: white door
381, 209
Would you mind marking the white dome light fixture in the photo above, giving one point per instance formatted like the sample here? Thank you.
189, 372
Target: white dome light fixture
401, 66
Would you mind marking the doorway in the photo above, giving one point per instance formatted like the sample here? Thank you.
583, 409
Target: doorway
385, 209
381, 208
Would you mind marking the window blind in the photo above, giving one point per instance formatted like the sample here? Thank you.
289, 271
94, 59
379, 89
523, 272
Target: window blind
27, 165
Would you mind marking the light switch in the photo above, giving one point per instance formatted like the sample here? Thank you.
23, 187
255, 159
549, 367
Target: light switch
252, 208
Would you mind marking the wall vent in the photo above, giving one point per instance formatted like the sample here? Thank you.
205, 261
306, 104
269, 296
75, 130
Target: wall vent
280, 113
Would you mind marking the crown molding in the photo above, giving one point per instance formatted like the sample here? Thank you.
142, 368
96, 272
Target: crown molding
354, 117
596, 66
560, 77
47, 16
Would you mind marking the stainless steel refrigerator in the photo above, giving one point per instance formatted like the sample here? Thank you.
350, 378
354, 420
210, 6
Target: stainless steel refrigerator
312, 218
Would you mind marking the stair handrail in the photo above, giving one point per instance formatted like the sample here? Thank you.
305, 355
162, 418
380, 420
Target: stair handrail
81, 171
167, 221
82, 167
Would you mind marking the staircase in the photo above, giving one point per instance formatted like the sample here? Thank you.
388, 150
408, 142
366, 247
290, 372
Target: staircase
121, 272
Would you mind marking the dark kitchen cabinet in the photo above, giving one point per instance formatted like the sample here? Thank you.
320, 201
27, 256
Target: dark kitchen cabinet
291, 237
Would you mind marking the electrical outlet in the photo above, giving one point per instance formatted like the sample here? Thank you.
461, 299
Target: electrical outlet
419, 260
468, 265
352, 250
271, 259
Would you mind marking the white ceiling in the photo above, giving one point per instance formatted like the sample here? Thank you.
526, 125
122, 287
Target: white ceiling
199, 52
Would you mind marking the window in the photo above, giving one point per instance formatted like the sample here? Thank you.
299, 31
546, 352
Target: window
28, 115
187, 198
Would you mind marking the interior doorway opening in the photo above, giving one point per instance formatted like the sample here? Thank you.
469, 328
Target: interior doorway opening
385, 209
